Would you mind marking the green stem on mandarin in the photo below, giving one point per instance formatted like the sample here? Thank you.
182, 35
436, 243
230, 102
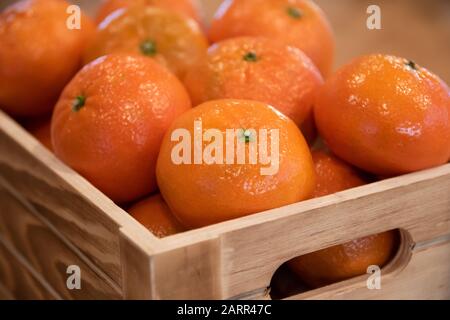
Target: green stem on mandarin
412, 65
246, 135
148, 47
78, 103
251, 57
294, 12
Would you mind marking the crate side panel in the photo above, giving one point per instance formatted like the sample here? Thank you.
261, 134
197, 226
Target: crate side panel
49, 253
136, 267
191, 272
427, 276
19, 283
253, 253
79, 219
5, 294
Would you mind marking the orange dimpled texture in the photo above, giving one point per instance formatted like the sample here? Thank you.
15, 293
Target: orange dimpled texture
110, 120
349, 259
172, 40
299, 23
188, 8
39, 54
385, 115
205, 192
257, 69
154, 214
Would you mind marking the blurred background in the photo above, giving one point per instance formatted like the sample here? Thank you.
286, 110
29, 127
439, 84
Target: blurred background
415, 29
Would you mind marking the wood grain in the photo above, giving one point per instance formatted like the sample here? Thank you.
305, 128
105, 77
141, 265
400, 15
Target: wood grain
189, 272
17, 282
5, 294
49, 253
136, 267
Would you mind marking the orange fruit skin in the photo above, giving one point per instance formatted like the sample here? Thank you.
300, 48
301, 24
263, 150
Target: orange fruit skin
154, 214
281, 76
345, 261
38, 54
202, 194
188, 8
179, 42
383, 116
41, 130
333, 174
350, 259
308, 31
114, 139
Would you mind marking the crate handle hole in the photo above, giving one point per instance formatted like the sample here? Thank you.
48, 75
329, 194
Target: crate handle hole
333, 265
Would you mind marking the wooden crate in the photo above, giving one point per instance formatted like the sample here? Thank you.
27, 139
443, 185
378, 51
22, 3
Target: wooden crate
51, 218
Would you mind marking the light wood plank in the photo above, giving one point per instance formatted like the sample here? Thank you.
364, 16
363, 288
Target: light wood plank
191, 272
136, 267
49, 253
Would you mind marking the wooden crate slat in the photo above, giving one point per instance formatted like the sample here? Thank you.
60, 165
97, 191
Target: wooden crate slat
48, 253
18, 282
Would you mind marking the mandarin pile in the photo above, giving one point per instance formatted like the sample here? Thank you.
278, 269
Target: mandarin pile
153, 108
